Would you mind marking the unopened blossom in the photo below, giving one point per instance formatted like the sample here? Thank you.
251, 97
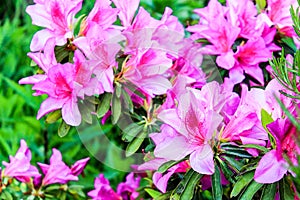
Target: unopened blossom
58, 172
19, 166
103, 190
58, 19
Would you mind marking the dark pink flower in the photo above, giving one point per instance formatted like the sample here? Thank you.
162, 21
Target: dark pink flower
103, 190
273, 166
127, 190
19, 166
58, 172
58, 17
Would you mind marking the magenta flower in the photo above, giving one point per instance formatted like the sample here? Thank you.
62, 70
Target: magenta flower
58, 172
102, 15
127, 190
279, 15
19, 166
103, 190
273, 166
242, 14
247, 59
64, 84
58, 17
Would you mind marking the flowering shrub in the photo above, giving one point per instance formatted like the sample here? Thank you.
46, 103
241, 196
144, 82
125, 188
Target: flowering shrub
119, 65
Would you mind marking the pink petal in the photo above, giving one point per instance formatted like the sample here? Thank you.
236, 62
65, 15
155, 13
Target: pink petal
269, 169
127, 10
226, 61
174, 148
71, 114
202, 160
49, 105
39, 39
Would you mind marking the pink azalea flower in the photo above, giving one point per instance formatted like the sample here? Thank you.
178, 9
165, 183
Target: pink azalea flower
102, 58
188, 64
265, 99
279, 15
243, 15
103, 190
193, 127
146, 71
63, 84
247, 59
127, 190
58, 172
127, 10
102, 15
273, 166
19, 166
58, 17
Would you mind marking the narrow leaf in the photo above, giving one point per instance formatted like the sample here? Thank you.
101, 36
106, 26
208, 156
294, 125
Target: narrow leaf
217, 190
136, 143
251, 191
241, 183
104, 105
131, 131
153, 193
269, 192
116, 109
164, 167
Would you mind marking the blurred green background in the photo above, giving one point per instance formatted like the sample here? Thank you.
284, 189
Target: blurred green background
18, 107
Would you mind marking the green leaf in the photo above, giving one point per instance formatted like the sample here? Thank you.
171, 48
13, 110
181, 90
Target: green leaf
104, 105
185, 189
127, 101
116, 109
153, 193
136, 143
188, 193
165, 196
261, 4
251, 191
53, 117
266, 119
285, 190
269, 192
164, 167
118, 90
63, 129
235, 164
255, 146
241, 183
6, 195
217, 190
226, 170
131, 131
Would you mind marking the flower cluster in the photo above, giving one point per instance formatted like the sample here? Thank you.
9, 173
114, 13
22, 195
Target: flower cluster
125, 190
148, 66
57, 172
